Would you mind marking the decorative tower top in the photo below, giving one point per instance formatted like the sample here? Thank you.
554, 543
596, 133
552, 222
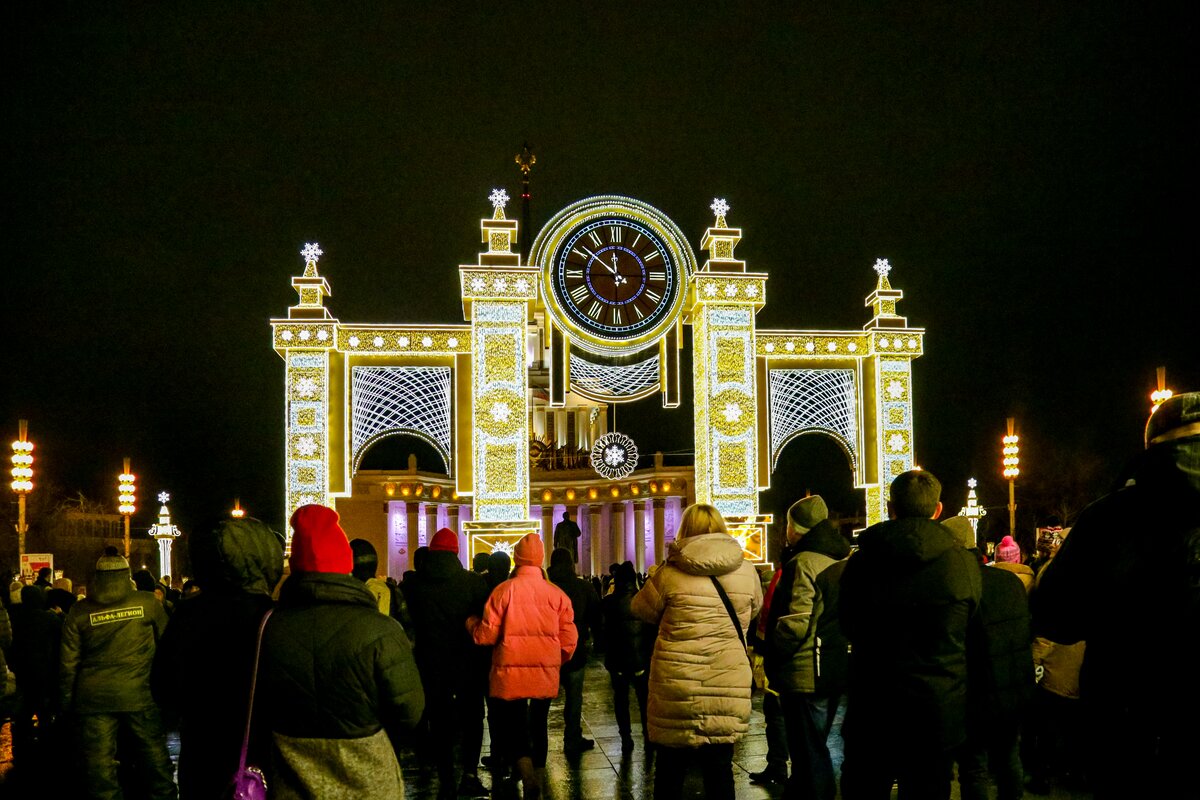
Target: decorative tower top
312, 288
525, 161
499, 234
883, 300
163, 529
720, 240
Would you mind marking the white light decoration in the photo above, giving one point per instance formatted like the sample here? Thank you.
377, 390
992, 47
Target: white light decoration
607, 381
286, 336
896, 443
500, 412
973, 511
710, 289
831, 346
501, 284
354, 341
504, 547
751, 290
614, 456
809, 346
306, 387
165, 533
720, 208
312, 253
769, 347
402, 341
305, 335
498, 198
807, 400
895, 389
322, 334
1011, 458
882, 267
427, 341
789, 346
452, 341
388, 400
377, 341
478, 284
732, 412
306, 446
730, 289
521, 285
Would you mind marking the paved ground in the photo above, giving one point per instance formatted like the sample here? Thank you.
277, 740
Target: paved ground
601, 774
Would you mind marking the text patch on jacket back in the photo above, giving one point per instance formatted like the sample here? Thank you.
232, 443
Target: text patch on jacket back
116, 615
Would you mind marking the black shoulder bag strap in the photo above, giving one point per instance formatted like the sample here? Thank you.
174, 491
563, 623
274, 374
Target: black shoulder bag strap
737, 623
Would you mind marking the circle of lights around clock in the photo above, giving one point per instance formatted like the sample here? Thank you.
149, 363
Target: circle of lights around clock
614, 456
615, 272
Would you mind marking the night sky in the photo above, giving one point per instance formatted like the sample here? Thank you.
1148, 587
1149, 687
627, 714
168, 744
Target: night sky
1026, 169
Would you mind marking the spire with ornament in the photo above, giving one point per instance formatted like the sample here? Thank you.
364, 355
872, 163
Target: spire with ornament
165, 532
883, 300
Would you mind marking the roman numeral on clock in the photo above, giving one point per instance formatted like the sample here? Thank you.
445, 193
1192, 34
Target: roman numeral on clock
594, 311
579, 293
653, 295
652, 256
614, 234
596, 239
658, 276
575, 273
616, 316
638, 311
580, 253
636, 239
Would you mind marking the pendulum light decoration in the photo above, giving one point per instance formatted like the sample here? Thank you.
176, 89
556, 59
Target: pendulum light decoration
165, 533
22, 482
614, 456
127, 499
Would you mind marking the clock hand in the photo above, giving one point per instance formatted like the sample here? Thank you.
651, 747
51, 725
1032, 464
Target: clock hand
611, 269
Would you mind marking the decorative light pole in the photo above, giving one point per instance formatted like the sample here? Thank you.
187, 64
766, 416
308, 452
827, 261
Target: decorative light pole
127, 497
22, 483
238, 512
1162, 394
1011, 471
165, 533
973, 511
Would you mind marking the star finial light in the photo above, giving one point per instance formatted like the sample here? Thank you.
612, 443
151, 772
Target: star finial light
498, 198
972, 483
720, 208
312, 253
163, 497
882, 267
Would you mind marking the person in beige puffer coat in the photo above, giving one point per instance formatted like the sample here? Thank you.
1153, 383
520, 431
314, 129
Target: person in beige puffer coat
700, 677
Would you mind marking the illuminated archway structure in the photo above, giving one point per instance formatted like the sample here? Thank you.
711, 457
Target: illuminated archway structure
513, 399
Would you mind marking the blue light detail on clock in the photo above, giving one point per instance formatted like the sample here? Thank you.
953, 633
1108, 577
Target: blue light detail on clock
615, 277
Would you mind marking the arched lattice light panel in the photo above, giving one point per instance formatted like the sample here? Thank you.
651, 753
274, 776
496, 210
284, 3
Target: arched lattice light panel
813, 400
412, 400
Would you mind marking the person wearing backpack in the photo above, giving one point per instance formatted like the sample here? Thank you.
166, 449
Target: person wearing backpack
806, 660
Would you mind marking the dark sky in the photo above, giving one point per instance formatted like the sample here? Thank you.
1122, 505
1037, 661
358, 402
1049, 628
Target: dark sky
1026, 169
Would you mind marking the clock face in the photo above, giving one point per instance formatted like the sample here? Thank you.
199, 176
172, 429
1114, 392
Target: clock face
614, 277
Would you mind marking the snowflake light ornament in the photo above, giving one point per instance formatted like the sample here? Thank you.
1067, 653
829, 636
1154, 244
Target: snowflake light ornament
503, 547
501, 284
306, 446
478, 284
895, 389
882, 267
614, 456
500, 411
710, 289
896, 443
521, 285
720, 208
163, 497
306, 387
730, 289
972, 483
732, 412
312, 252
498, 198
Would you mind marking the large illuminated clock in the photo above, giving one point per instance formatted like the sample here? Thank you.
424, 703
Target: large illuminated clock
615, 271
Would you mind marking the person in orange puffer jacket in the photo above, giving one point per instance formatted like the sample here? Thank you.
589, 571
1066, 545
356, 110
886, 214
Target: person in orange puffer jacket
532, 625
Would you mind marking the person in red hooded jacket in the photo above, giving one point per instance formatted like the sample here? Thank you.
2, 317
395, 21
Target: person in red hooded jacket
532, 625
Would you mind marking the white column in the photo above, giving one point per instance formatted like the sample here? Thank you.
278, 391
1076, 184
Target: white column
617, 526
639, 535
595, 545
452, 523
660, 549
547, 532
431, 522
411, 510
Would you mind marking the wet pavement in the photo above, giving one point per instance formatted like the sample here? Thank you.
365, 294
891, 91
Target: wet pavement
604, 773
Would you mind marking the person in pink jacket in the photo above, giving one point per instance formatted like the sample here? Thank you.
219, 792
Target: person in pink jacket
532, 625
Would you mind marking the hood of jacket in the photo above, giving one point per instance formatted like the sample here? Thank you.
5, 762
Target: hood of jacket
111, 586
706, 554
439, 565
825, 539
325, 588
239, 555
907, 541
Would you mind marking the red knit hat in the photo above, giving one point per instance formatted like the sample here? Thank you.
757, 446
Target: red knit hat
529, 552
319, 544
445, 540
1008, 551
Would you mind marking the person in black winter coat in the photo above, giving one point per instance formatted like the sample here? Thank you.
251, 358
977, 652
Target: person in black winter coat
586, 606
108, 644
204, 662
907, 597
629, 644
441, 596
1000, 680
36, 633
338, 680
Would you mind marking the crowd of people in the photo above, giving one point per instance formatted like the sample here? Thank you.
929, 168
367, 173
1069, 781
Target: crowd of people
1078, 663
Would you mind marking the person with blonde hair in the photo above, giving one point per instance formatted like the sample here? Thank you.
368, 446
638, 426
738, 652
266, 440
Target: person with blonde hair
703, 598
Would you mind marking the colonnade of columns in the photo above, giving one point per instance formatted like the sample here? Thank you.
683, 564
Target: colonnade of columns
622, 530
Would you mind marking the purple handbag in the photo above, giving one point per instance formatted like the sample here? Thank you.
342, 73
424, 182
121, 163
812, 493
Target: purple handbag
249, 783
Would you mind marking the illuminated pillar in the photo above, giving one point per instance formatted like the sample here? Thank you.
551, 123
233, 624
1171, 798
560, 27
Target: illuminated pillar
22, 482
594, 511
306, 340
126, 497
616, 523
724, 299
887, 394
639, 535
413, 531
1012, 469
431, 523
498, 294
660, 548
452, 523
547, 530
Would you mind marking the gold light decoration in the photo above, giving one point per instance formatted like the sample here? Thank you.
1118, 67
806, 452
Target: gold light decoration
1162, 394
238, 512
1011, 471
22, 483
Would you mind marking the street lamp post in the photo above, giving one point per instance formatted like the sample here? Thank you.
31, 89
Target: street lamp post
127, 495
1011, 471
22, 482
